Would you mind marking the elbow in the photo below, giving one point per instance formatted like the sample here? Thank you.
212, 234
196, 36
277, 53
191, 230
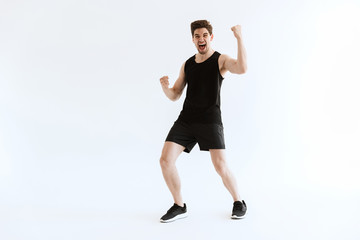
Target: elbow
176, 95
242, 69
171, 94
175, 98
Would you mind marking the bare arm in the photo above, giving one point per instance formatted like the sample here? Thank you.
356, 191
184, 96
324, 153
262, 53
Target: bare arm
175, 92
238, 65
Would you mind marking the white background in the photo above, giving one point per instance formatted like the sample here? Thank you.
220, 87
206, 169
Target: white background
83, 119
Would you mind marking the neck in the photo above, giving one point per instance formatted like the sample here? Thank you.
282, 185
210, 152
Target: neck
202, 57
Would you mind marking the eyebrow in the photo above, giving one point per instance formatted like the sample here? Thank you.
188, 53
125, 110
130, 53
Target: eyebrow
196, 34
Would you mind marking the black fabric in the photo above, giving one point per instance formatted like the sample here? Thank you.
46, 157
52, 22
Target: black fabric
207, 135
202, 102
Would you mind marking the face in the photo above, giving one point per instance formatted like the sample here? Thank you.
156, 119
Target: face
202, 40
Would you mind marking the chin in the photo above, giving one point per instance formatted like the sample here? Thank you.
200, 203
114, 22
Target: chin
203, 52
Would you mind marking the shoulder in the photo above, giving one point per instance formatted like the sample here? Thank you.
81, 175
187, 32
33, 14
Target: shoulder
189, 62
190, 58
223, 58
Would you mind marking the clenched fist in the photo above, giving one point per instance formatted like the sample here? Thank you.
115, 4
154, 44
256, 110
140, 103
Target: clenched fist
164, 81
237, 31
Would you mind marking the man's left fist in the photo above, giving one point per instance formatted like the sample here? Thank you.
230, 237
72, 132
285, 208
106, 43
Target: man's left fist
237, 31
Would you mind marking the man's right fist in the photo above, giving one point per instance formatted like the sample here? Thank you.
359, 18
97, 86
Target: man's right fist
164, 81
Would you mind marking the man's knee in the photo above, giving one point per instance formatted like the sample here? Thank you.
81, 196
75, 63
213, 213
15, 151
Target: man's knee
166, 161
170, 153
221, 167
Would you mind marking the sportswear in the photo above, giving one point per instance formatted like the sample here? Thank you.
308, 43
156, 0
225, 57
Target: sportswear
208, 136
202, 102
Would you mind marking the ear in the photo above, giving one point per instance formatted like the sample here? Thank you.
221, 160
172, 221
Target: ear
211, 37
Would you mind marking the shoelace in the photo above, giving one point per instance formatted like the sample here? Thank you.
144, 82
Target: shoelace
172, 209
238, 206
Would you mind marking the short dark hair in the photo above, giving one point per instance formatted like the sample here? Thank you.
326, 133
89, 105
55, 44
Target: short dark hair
201, 24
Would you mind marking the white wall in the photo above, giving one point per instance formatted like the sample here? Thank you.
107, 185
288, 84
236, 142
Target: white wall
83, 117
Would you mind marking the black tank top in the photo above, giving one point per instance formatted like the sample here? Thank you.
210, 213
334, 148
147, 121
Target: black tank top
202, 102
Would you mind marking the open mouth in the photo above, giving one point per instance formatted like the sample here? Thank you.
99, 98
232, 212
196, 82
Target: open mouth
202, 46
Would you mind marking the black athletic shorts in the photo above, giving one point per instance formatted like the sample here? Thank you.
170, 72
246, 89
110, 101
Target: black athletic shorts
208, 136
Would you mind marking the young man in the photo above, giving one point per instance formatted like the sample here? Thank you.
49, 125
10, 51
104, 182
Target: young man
200, 120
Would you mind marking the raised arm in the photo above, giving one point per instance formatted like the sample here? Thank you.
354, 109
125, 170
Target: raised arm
237, 66
175, 92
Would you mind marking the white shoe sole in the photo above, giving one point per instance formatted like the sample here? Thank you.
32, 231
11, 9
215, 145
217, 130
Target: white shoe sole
184, 215
237, 217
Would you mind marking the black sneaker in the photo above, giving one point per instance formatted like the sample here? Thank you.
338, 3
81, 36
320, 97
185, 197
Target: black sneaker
174, 213
239, 210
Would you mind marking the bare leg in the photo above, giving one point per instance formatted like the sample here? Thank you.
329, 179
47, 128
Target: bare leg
219, 161
170, 153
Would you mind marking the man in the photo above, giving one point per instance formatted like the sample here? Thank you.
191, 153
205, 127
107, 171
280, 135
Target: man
200, 120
